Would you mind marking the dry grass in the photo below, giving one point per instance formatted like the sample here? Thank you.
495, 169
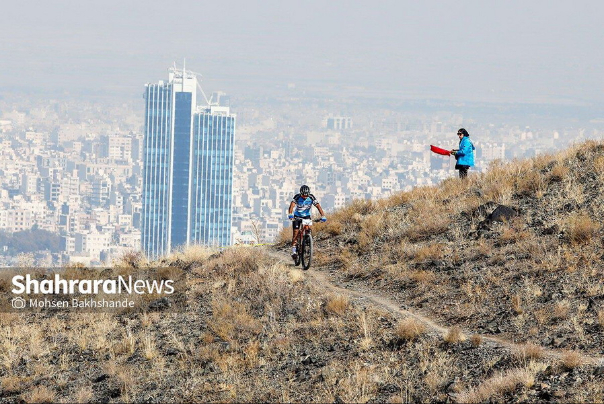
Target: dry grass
84, 394
517, 304
337, 305
410, 329
429, 252
13, 384
601, 318
193, 254
529, 351
561, 310
454, 335
571, 360
422, 277
476, 340
41, 394
582, 228
559, 172
498, 385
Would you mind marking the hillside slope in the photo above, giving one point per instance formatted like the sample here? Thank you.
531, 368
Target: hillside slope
406, 302
536, 276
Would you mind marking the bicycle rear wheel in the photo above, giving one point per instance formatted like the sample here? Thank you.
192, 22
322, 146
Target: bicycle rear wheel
306, 254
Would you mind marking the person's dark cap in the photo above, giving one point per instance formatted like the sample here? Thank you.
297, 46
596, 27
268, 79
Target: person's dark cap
462, 131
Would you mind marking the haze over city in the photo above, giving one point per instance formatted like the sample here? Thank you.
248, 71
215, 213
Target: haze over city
502, 51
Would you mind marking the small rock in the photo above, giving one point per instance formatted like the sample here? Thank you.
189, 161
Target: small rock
160, 304
100, 378
544, 386
453, 387
544, 395
218, 284
558, 393
172, 351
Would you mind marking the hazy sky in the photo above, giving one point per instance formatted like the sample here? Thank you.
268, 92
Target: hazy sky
481, 50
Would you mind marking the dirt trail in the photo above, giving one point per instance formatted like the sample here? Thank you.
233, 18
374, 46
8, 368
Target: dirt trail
321, 280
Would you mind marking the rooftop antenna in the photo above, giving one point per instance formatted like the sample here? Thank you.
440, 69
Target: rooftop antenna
199, 75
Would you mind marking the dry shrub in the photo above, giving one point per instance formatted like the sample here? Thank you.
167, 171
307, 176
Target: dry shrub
353, 213
476, 340
529, 351
427, 226
561, 310
84, 394
194, 253
517, 304
512, 235
239, 260
331, 228
398, 199
337, 305
372, 228
284, 237
430, 252
582, 228
410, 329
601, 318
454, 335
295, 275
149, 349
497, 385
41, 394
130, 259
13, 384
559, 172
422, 277
251, 353
571, 360
599, 165
231, 321
530, 184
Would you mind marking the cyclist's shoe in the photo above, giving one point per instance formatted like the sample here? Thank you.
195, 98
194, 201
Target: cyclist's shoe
323, 219
294, 252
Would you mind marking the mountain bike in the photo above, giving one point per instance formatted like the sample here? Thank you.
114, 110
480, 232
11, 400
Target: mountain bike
305, 244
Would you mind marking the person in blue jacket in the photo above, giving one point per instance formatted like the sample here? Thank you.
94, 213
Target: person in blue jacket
465, 154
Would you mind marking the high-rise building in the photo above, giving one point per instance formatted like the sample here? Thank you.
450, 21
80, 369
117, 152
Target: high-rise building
188, 156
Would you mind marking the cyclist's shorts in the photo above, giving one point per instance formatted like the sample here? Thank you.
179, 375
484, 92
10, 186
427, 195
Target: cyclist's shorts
298, 222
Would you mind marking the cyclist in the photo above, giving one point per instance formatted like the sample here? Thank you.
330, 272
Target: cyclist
299, 209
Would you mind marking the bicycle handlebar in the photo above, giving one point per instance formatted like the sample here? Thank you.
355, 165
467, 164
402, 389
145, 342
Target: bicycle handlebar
314, 220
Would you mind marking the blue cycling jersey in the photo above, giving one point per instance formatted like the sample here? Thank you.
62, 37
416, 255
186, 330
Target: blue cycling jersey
304, 205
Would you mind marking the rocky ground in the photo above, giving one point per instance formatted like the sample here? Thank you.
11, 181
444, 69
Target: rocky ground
422, 297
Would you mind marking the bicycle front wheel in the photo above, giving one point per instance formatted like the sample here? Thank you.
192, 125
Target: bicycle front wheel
306, 255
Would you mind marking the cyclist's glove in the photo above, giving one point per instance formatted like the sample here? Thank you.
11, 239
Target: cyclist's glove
290, 217
323, 219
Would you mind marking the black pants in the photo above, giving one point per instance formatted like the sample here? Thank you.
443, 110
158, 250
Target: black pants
463, 170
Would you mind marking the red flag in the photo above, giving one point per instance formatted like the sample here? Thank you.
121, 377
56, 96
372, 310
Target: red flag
438, 150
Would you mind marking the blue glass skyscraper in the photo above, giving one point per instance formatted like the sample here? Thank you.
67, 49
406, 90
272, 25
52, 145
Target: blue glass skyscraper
187, 168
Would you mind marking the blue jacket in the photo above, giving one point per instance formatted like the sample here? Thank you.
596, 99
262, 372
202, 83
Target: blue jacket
465, 154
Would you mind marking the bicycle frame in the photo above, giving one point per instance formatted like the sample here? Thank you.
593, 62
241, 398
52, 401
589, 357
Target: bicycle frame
304, 244
306, 223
